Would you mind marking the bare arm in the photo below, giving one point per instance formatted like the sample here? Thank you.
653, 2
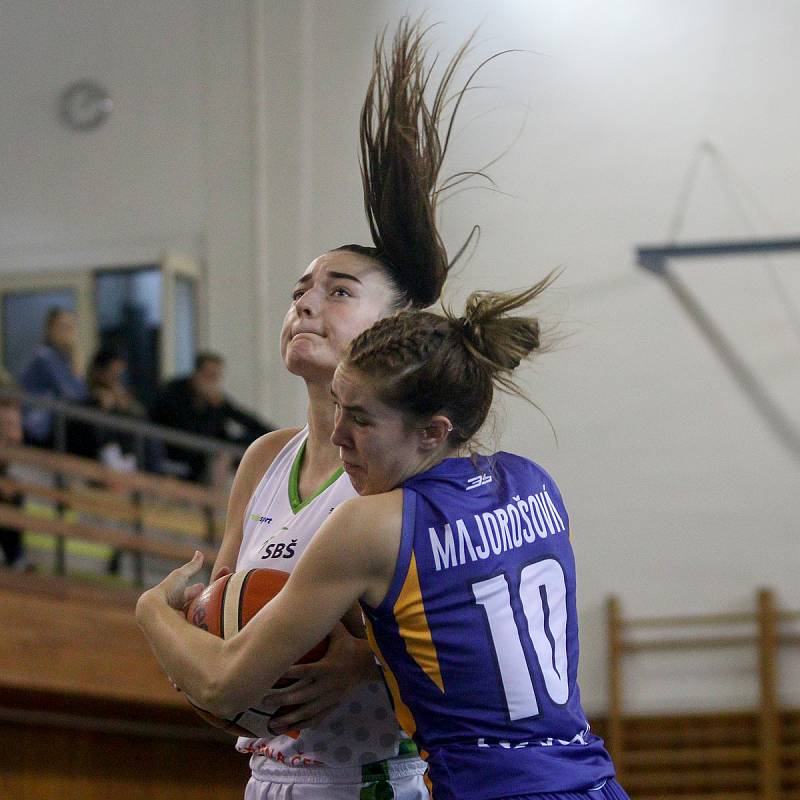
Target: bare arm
352, 557
257, 458
318, 687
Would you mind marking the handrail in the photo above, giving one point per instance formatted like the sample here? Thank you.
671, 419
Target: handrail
146, 429
163, 486
699, 620
112, 505
174, 551
135, 491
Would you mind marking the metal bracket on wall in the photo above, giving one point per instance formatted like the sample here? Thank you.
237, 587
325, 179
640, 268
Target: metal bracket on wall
656, 260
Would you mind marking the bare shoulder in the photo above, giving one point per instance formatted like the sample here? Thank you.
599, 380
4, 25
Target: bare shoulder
373, 523
262, 452
375, 509
255, 462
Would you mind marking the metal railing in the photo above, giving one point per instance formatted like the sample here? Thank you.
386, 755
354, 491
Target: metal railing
142, 435
142, 431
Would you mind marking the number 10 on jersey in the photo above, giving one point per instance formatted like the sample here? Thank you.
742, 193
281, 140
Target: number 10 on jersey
542, 591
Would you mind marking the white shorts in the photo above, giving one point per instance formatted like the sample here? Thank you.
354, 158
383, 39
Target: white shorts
309, 784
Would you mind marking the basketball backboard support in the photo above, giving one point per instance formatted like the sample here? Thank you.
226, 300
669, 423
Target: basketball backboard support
657, 259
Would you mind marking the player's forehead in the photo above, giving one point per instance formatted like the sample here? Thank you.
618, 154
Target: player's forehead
352, 388
349, 384
341, 265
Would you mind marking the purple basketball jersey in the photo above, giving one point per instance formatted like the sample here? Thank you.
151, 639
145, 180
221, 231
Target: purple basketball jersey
478, 633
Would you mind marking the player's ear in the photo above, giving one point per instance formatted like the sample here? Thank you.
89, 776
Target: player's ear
435, 432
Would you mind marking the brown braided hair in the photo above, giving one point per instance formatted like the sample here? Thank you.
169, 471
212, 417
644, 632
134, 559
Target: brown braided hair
425, 363
401, 155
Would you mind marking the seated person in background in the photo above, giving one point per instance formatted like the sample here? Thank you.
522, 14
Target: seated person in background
114, 448
107, 392
196, 404
11, 433
53, 372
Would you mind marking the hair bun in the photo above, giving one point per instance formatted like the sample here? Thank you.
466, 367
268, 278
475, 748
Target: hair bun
469, 330
501, 342
496, 339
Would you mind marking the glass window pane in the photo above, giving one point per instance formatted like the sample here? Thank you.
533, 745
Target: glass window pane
24, 315
129, 317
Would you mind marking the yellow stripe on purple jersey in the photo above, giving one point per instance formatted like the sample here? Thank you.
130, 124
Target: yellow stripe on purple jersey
409, 612
478, 633
401, 710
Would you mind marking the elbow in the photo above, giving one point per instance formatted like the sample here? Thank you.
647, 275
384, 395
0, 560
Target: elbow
226, 694
214, 699
143, 611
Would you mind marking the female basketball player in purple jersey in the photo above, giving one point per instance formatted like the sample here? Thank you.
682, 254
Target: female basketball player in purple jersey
290, 480
462, 564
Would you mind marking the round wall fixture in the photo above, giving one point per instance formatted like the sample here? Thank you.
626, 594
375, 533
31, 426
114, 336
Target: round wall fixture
85, 105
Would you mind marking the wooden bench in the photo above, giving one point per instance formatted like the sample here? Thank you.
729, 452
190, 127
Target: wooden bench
162, 517
753, 754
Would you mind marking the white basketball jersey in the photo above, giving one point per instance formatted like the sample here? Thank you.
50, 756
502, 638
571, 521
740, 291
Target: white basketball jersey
277, 529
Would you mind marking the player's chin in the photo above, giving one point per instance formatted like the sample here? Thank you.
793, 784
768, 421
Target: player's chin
305, 363
358, 478
365, 486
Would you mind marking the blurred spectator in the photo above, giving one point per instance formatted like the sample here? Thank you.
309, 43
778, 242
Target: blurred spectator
107, 392
52, 372
113, 448
197, 404
11, 433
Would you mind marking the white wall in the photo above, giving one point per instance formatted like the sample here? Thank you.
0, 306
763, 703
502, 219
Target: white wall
134, 181
234, 137
681, 499
170, 171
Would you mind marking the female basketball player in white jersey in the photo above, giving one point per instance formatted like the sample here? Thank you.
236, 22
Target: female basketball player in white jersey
290, 480
462, 564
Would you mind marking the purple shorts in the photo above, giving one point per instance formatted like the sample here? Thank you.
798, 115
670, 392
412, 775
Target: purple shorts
608, 790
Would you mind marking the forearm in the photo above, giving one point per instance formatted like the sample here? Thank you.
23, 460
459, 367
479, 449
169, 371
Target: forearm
221, 676
228, 676
228, 554
191, 657
254, 426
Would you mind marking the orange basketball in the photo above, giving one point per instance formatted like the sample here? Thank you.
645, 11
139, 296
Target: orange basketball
224, 608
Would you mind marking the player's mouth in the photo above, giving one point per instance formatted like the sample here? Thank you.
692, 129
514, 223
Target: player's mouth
306, 333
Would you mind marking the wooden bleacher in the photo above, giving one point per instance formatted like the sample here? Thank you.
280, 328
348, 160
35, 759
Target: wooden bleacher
748, 754
85, 711
161, 517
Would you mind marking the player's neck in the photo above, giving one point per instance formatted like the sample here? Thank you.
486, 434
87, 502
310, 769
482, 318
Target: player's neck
321, 457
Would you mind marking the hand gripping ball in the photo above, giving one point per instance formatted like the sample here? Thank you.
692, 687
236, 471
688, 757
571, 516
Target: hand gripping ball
224, 608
